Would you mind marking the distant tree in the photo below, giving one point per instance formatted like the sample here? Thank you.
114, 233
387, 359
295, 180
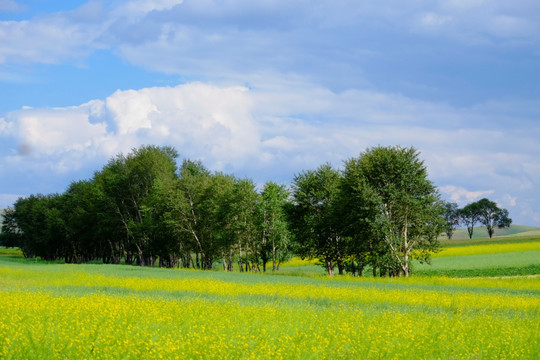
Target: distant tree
491, 216
469, 216
402, 205
451, 218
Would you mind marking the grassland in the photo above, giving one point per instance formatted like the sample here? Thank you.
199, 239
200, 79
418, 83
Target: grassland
53, 311
481, 232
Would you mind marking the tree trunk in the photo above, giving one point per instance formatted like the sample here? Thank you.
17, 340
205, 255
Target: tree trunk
230, 268
330, 267
225, 266
273, 255
340, 267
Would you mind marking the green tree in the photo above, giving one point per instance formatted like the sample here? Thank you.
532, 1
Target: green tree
41, 226
401, 205
243, 213
313, 217
274, 232
491, 216
469, 216
10, 236
133, 184
359, 206
451, 218
196, 211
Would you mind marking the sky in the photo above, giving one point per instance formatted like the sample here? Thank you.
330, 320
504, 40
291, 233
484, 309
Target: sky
265, 89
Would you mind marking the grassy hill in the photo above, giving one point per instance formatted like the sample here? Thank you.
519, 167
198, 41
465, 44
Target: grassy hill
481, 232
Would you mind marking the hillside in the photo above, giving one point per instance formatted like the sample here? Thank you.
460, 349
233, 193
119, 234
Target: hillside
481, 232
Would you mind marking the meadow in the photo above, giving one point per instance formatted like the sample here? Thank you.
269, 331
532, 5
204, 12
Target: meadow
53, 311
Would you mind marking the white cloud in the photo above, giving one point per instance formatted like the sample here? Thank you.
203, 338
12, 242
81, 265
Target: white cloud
509, 200
184, 35
463, 196
275, 131
138, 8
434, 20
5, 127
203, 120
131, 110
10, 5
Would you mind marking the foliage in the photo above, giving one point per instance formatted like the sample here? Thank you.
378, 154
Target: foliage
451, 217
486, 212
275, 235
396, 202
381, 212
10, 236
314, 217
492, 216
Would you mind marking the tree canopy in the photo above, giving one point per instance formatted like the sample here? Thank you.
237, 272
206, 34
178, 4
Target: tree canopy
143, 208
396, 203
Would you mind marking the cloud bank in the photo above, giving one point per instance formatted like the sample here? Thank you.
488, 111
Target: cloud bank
273, 133
269, 88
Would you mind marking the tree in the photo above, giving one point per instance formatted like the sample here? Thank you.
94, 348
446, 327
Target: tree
401, 205
358, 207
196, 213
469, 216
133, 184
242, 210
274, 235
313, 217
10, 236
491, 216
451, 218
40, 226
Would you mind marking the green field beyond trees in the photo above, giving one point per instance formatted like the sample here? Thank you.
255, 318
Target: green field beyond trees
465, 306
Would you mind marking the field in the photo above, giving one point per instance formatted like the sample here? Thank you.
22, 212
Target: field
481, 232
53, 311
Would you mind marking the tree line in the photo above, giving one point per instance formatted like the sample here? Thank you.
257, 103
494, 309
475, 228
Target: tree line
483, 211
381, 211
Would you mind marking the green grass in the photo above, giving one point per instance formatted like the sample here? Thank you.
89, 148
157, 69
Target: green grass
53, 311
499, 264
481, 232
500, 256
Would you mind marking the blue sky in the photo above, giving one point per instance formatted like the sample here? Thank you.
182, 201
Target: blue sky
266, 89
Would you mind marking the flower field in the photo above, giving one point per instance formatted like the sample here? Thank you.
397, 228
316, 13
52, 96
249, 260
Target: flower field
54, 311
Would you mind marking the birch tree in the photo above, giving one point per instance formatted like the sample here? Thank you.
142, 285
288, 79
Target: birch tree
402, 205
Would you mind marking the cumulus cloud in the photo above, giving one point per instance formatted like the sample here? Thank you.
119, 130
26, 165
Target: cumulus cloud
203, 120
274, 132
